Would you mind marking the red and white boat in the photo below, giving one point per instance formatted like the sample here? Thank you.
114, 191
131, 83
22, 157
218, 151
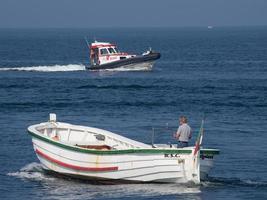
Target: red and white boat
104, 56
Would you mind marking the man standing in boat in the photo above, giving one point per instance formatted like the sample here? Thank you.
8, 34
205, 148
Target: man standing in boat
184, 132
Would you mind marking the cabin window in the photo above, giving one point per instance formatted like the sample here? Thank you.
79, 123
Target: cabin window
103, 51
116, 50
111, 50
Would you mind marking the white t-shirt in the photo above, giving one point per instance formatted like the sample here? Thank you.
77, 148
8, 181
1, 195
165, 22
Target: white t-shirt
184, 130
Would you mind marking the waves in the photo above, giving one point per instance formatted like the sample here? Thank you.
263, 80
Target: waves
53, 68
221, 181
84, 103
121, 86
32, 171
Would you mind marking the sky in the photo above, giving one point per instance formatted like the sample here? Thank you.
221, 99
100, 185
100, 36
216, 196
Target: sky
131, 13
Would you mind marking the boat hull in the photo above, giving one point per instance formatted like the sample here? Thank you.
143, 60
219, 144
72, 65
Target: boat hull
144, 62
205, 167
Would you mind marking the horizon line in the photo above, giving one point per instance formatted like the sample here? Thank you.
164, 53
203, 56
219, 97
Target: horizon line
115, 27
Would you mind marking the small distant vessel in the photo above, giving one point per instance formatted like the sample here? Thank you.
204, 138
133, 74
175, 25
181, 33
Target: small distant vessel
104, 55
96, 154
210, 27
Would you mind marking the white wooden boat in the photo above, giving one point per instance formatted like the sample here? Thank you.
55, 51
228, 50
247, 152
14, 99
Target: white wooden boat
96, 154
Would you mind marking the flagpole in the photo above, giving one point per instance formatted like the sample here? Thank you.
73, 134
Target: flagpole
196, 153
199, 138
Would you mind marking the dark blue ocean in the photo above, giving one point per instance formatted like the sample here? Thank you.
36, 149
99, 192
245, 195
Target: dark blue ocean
220, 73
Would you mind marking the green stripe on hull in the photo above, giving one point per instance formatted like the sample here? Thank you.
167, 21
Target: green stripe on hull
209, 151
111, 152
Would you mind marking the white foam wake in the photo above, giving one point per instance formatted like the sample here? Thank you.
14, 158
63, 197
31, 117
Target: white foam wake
60, 188
134, 67
53, 68
32, 171
122, 69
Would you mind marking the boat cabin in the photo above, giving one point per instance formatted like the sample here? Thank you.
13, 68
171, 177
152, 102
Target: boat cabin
104, 52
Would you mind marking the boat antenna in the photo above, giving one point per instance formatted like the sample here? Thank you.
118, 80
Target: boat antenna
95, 39
153, 137
199, 137
88, 46
85, 38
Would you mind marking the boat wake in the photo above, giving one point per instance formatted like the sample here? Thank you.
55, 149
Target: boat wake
123, 69
53, 68
32, 171
69, 68
61, 187
220, 181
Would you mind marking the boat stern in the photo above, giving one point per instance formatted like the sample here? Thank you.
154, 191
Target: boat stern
207, 161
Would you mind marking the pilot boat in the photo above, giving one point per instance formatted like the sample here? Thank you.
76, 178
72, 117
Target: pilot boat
106, 56
96, 154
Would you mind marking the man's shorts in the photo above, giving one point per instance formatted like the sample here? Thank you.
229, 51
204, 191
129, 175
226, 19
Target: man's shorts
182, 144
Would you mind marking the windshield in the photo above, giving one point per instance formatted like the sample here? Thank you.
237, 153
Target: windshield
111, 50
103, 51
116, 50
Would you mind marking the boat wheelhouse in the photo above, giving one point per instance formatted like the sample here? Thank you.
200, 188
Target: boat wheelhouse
104, 55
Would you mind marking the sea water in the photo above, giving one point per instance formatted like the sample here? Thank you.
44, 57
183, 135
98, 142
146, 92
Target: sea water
219, 73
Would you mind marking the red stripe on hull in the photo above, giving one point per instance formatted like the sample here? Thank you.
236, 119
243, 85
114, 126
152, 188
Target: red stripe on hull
196, 148
75, 167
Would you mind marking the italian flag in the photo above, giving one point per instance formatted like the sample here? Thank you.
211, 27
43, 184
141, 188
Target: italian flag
199, 138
